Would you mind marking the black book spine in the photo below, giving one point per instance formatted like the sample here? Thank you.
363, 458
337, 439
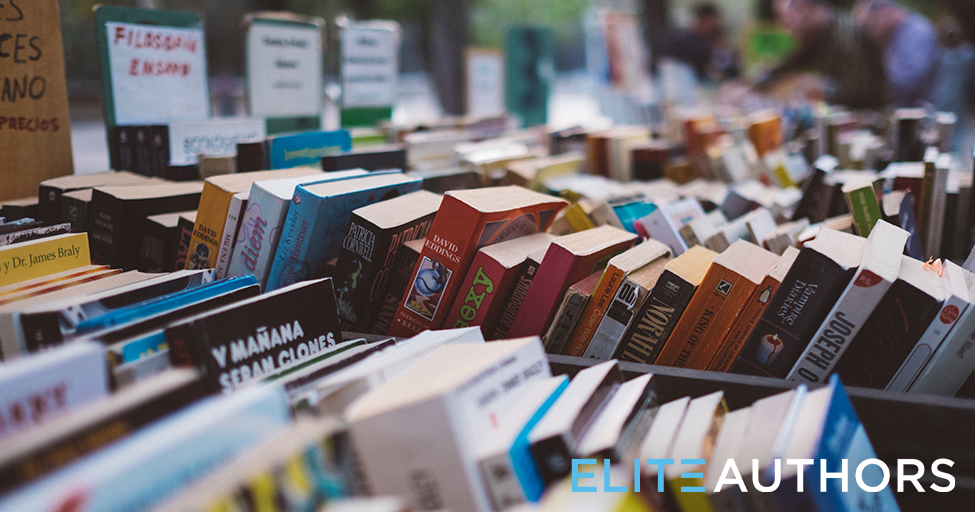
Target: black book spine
104, 226
48, 204
553, 458
817, 197
156, 240
159, 155
358, 266
399, 281
132, 222
123, 148
888, 337
797, 309
515, 298
657, 318
142, 162
184, 232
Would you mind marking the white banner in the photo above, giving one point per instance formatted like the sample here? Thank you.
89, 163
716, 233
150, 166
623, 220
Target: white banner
158, 73
284, 70
370, 66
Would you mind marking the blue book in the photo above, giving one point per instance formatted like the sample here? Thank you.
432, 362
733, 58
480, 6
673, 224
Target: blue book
631, 212
521, 457
287, 151
154, 463
318, 219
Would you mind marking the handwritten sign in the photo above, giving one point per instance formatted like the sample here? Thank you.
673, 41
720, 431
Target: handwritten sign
370, 66
485, 82
158, 73
35, 133
284, 67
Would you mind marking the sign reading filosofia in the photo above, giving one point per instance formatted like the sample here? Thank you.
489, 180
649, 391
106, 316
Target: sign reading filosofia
370, 64
284, 69
158, 73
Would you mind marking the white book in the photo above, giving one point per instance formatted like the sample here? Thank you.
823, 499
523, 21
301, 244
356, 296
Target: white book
692, 440
263, 219
728, 234
419, 435
628, 405
698, 231
665, 222
760, 224
770, 428
238, 203
957, 300
726, 448
954, 360
158, 461
879, 267
40, 387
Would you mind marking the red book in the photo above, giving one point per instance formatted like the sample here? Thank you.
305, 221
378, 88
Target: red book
467, 220
569, 260
495, 267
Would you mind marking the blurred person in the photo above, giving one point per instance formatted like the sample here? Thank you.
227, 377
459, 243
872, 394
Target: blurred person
956, 77
702, 46
831, 44
910, 49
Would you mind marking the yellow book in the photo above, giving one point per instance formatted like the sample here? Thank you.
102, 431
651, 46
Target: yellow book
39, 258
578, 219
211, 217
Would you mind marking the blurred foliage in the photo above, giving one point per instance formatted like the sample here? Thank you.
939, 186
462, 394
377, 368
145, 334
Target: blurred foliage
491, 18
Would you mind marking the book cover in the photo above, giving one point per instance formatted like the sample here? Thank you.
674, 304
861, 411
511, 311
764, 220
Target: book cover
244, 341
238, 204
399, 281
184, 233
816, 198
467, 220
38, 258
617, 269
862, 200
318, 220
823, 269
567, 316
159, 243
286, 151
732, 344
516, 294
877, 271
375, 234
491, 274
954, 360
665, 222
723, 294
883, 344
263, 219
665, 305
116, 217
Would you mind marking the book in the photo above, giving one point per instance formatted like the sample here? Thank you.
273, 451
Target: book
926, 195
40, 388
212, 217
375, 234
467, 220
934, 231
617, 269
184, 233
372, 158
568, 259
238, 203
699, 230
724, 293
692, 446
665, 222
554, 440
823, 269
61, 441
771, 422
158, 461
441, 181
263, 219
817, 195
40, 282
878, 269
160, 239
862, 200
14, 209
623, 422
899, 210
446, 421
665, 305
246, 340
728, 234
656, 445
506, 465
286, 151
35, 233
785, 235
567, 316
957, 300
399, 281
953, 362
726, 447
74, 209
741, 329
186, 141
893, 329
58, 285
492, 272
622, 311
116, 217
49, 192
515, 297
318, 220
38, 258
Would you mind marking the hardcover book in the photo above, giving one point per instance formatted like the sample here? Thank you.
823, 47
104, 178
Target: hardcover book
567, 316
665, 305
375, 234
318, 220
74, 209
160, 243
878, 270
467, 220
723, 294
184, 233
823, 269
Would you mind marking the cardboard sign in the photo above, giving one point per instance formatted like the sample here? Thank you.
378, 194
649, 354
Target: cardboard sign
35, 132
284, 65
370, 63
485, 82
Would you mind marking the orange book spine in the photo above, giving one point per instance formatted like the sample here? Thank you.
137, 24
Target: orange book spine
595, 309
733, 343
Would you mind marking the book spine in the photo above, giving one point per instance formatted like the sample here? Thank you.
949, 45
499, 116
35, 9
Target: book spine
288, 256
357, 269
952, 363
159, 157
796, 311
925, 202
936, 218
399, 281
238, 204
501, 481
261, 230
565, 322
34, 234
48, 204
887, 337
20, 263
515, 299
595, 310
123, 149
865, 209
143, 162
552, 456
155, 240
929, 342
184, 232
656, 320
103, 225
208, 230
74, 212
732, 345
477, 293
626, 304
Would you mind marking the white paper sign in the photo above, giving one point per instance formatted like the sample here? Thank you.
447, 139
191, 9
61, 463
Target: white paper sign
370, 66
158, 73
485, 83
214, 137
284, 70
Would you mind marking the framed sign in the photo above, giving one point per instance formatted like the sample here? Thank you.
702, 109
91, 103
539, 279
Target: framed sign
370, 70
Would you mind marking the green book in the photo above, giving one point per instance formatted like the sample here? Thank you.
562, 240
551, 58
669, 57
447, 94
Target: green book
862, 200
